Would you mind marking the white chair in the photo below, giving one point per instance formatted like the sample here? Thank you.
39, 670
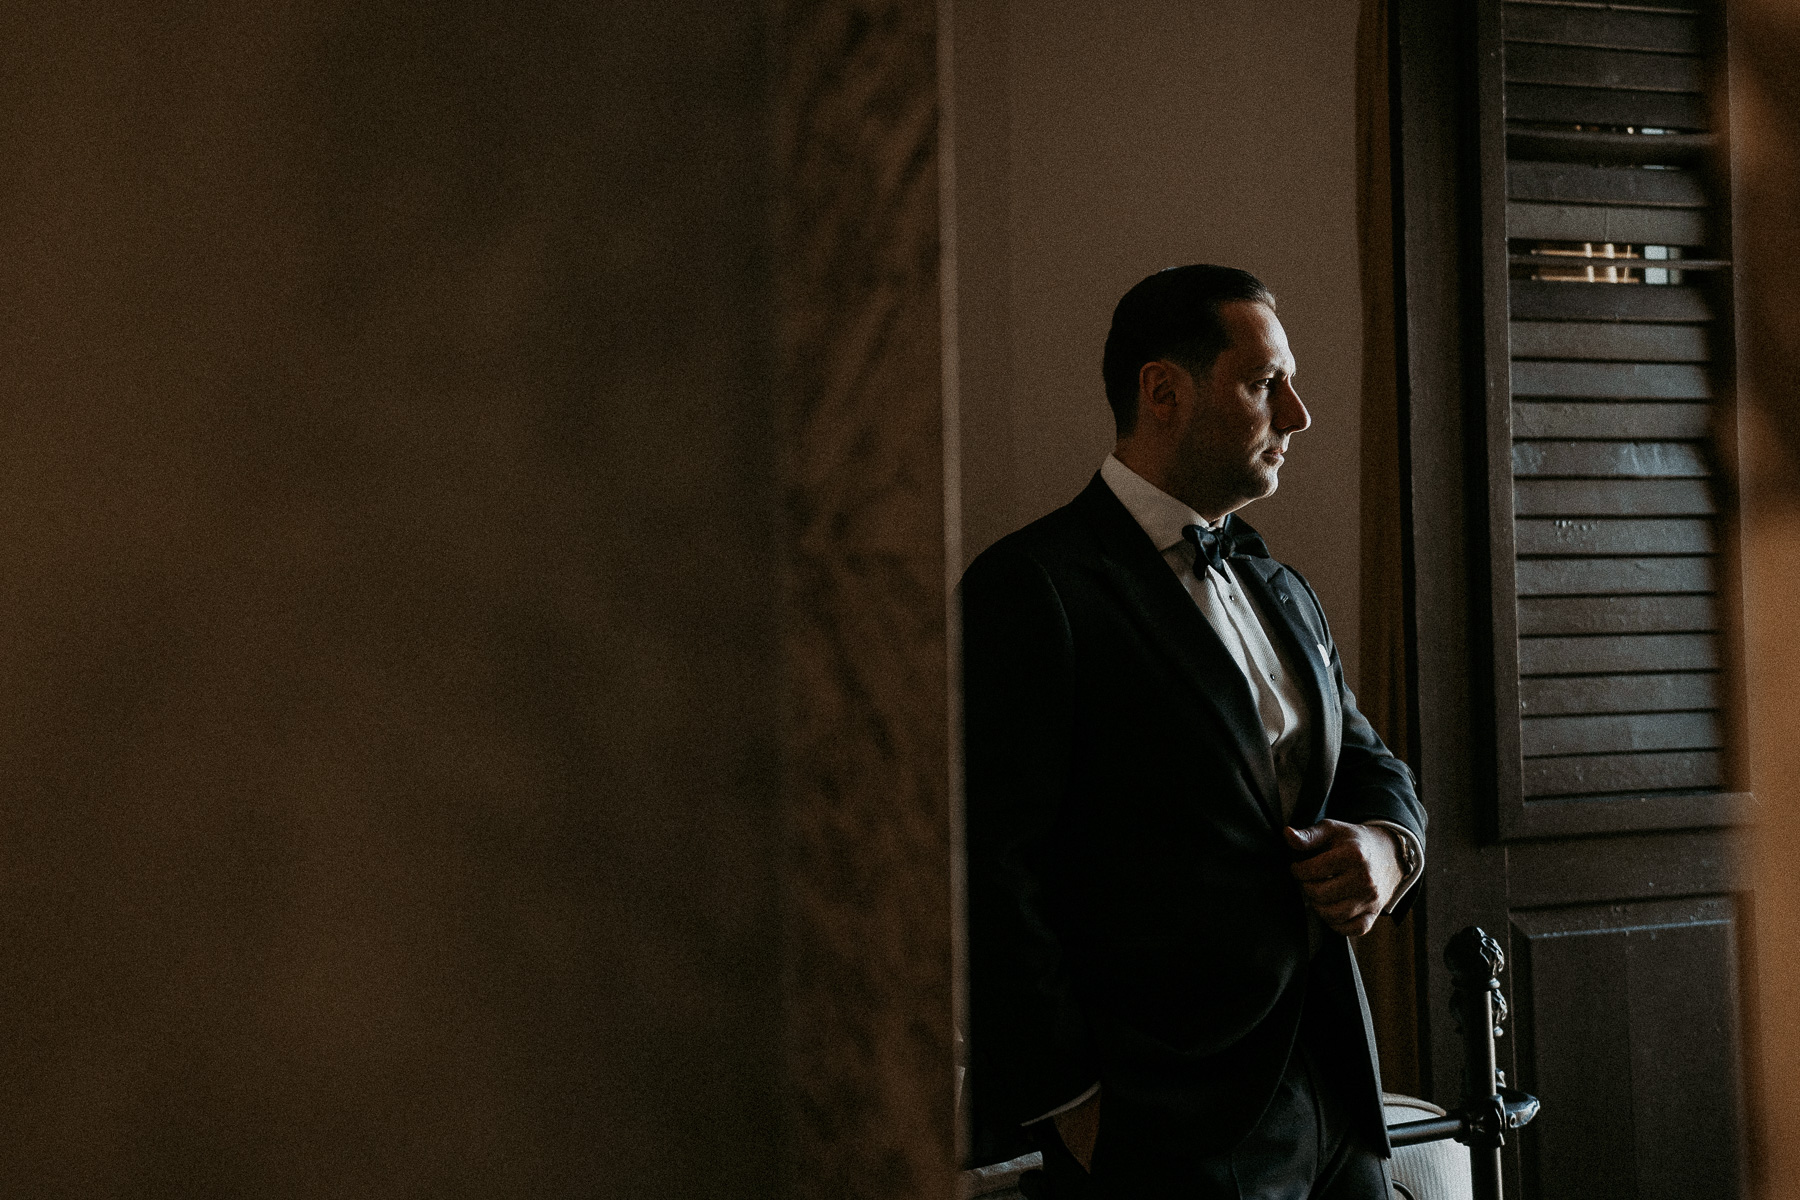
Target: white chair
1429, 1170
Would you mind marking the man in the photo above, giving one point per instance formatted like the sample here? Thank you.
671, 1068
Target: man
1176, 815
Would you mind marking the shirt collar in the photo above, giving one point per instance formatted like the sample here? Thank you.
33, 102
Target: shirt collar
1161, 515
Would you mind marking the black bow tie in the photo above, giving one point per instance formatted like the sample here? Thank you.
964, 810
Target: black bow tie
1231, 537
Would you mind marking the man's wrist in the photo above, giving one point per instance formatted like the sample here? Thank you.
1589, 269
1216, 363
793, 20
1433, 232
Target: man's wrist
1409, 855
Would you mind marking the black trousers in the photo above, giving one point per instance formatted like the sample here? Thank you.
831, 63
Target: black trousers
1304, 1148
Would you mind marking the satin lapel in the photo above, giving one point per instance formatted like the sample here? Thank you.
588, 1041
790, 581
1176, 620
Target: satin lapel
1169, 619
1276, 598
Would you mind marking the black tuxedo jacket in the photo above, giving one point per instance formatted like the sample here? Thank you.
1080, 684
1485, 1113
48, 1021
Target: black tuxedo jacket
1132, 918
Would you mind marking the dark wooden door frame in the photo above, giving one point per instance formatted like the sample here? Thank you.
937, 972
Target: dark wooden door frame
1451, 272
1437, 240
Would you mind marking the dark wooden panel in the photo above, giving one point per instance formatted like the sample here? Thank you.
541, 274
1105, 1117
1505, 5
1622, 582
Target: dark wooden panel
1607, 106
1613, 30
1630, 1012
1614, 576
1588, 537
1607, 223
1563, 145
1613, 498
1614, 381
1571, 183
1629, 867
1585, 67
1538, 300
1618, 693
1569, 615
1610, 460
1610, 341
1593, 774
1612, 655
1564, 1030
1620, 733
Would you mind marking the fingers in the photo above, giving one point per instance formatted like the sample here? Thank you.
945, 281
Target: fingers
1302, 839
1348, 888
1345, 856
1338, 877
1338, 883
1318, 837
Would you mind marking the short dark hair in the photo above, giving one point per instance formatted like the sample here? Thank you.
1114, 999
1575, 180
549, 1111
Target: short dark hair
1174, 315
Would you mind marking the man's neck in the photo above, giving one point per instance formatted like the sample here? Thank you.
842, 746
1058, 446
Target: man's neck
1154, 470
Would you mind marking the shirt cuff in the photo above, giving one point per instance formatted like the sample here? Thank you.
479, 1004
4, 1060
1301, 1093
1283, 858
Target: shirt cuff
1060, 1109
1418, 857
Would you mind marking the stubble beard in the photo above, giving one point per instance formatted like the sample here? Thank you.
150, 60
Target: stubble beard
1258, 481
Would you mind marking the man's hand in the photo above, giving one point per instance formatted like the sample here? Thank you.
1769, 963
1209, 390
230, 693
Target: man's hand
1349, 874
1079, 1128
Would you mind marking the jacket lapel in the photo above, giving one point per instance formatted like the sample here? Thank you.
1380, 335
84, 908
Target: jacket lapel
1168, 618
1306, 649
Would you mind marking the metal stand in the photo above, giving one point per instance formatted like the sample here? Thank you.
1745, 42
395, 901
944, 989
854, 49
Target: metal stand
1491, 1109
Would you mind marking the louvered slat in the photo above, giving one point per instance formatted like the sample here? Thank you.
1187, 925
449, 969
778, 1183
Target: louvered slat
1610, 460
1551, 615
1613, 498
1552, 104
1619, 655
1615, 341
1591, 25
1562, 262
1614, 576
1688, 691
1596, 538
1616, 733
1581, 66
1600, 774
1601, 148
1536, 300
1606, 420
1617, 381
1598, 223
1572, 183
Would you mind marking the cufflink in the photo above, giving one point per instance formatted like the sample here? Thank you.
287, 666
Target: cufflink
1409, 856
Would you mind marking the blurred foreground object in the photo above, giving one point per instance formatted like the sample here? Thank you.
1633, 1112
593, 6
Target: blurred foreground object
1766, 103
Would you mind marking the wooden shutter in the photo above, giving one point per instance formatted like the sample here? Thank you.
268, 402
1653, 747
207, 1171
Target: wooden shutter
1605, 505
1568, 600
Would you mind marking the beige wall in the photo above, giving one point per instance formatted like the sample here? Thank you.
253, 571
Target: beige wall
1096, 144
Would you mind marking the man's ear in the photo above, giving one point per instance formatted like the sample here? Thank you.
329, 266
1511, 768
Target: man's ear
1157, 383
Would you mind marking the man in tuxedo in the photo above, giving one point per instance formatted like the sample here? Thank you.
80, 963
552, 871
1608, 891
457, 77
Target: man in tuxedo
1177, 818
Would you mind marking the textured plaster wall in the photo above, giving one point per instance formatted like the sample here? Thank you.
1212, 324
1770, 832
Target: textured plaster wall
867, 969
1097, 144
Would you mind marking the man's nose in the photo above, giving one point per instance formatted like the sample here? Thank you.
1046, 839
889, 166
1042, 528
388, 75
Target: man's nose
1290, 412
